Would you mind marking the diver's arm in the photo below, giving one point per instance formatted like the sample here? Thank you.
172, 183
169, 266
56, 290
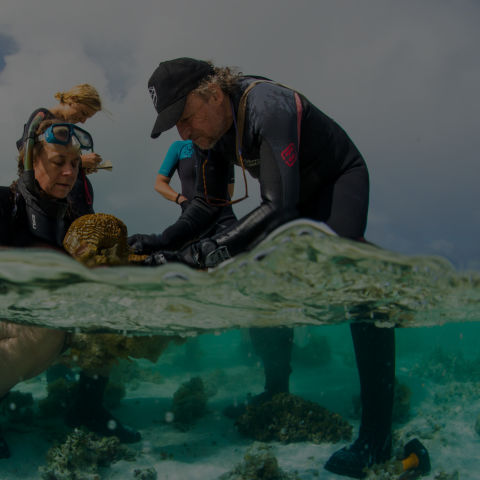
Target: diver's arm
200, 214
162, 186
279, 198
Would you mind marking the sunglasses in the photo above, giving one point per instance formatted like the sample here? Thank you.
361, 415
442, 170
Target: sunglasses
66, 134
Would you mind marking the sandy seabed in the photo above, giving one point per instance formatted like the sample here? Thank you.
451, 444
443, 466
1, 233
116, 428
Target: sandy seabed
442, 417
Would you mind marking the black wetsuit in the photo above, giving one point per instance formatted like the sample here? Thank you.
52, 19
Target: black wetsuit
187, 161
82, 192
14, 229
307, 166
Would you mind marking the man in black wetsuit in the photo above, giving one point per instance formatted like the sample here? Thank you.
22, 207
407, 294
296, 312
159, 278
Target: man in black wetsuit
307, 167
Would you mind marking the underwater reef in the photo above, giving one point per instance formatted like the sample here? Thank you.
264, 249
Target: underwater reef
289, 418
259, 463
189, 403
145, 474
81, 456
96, 351
442, 367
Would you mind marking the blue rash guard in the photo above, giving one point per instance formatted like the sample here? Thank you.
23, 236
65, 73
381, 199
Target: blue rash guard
180, 158
183, 158
305, 162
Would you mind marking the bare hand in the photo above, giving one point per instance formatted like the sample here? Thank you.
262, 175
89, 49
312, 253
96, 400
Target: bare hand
90, 162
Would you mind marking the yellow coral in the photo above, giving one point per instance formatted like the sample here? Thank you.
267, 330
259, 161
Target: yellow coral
95, 240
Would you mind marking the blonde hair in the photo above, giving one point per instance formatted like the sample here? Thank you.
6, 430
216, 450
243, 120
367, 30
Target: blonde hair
84, 94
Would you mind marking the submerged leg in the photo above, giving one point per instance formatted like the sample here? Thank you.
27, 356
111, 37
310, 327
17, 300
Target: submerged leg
274, 347
88, 411
375, 354
4, 450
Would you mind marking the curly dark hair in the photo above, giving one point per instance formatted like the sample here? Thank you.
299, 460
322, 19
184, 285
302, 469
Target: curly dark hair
225, 77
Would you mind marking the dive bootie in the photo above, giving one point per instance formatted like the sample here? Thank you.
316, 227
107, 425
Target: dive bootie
366, 451
88, 411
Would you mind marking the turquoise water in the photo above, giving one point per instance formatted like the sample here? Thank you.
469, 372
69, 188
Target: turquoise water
302, 277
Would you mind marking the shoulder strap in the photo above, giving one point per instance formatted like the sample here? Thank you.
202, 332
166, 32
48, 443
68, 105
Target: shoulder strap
242, 108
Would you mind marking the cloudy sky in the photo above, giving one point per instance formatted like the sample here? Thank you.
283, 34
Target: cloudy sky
402, 77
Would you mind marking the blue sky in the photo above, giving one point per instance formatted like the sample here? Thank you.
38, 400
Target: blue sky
401, 77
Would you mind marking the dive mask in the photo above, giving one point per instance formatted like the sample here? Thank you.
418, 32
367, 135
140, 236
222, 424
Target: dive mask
66, 133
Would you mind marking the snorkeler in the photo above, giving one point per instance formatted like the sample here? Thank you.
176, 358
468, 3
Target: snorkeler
76, 105
35, 212
307, 167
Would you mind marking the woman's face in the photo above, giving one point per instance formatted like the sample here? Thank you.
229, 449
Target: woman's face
56, 169
77, 113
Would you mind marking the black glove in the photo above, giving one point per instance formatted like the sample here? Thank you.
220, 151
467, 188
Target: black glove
143, 243
203, 254
184, 205
160, 258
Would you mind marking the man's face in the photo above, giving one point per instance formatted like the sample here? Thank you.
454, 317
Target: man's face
205, 121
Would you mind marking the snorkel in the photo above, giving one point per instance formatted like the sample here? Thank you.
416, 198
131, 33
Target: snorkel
45, 215
28, 173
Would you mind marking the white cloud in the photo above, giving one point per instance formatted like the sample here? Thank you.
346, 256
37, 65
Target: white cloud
401, 77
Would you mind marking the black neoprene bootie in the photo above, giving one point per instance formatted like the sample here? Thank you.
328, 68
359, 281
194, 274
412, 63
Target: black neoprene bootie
366, 451
88, 411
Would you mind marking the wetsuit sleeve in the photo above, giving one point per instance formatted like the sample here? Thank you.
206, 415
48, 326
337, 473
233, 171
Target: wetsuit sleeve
200, 215
279, 175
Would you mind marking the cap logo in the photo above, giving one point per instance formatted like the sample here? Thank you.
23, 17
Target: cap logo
153, 94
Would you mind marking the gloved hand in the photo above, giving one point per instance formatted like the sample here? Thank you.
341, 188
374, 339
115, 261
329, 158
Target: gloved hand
160, 258
203, 254
143, 243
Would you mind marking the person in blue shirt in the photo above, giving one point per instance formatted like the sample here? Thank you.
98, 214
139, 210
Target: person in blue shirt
182, 157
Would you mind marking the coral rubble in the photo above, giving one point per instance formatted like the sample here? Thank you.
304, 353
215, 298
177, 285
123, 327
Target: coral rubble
145, 474
81, 456
259, 463
289, 418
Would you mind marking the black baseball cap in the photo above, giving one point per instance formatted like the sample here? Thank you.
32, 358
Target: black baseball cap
169, 86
